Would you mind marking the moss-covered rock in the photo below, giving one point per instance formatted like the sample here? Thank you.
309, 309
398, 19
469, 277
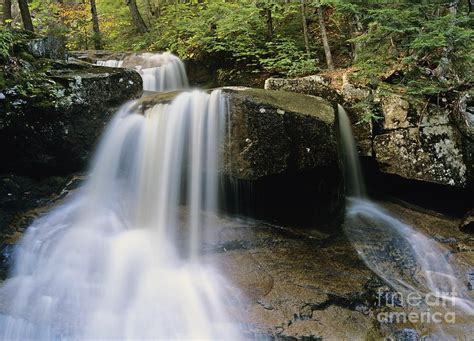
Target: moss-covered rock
419, 141
47, 47
281, 155
431, 154
406, 135
276, 131
311, 85
51, 111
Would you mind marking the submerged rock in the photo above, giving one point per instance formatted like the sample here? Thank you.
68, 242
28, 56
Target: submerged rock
23, 199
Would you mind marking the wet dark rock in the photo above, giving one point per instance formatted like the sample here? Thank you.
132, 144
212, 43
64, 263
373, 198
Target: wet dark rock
403, 134
407, 334
463, 116
48, 47
53, 112
275, 131
92, 56
467, 223
281, 156
22, 199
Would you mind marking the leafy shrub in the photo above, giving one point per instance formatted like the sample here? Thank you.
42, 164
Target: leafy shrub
6, 43
286, 58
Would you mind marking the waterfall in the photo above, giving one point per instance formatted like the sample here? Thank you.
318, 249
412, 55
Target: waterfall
406, 259
160, 71
121, 258
352, 170
110, 63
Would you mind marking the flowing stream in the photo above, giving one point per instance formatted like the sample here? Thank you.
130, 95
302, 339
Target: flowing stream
406, 259
121, 258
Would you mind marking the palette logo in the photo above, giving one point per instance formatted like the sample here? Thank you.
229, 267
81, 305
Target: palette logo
427, 304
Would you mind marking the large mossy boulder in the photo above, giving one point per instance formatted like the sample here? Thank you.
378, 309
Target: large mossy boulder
52, 111
349, 96
273, 132
404, 135
311, 85
280, 157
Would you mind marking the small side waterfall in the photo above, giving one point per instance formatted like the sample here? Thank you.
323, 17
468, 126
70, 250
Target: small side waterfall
352, 169
406, 259
160, 71
121, 258
110, 63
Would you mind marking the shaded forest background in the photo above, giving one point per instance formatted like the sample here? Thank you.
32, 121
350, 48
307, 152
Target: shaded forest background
424, 47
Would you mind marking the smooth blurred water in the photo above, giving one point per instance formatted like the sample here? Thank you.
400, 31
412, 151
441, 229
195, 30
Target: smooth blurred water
110, 63
405, 258
159, 71
121, 257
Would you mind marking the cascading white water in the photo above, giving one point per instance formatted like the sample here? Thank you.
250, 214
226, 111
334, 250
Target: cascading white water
408, 260
110, 63
163, 72
121, 258
160, 71
352, 170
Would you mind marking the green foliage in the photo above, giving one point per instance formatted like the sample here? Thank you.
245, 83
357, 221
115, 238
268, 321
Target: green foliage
369, 109
424, 47
233, 34
6, 44
284, 57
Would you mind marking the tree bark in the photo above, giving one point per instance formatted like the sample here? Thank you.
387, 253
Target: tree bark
269, 18
95, 27
357, 30
305, 27
150, 8
7, 12
442, 71
324, 38
136, 16
25, 15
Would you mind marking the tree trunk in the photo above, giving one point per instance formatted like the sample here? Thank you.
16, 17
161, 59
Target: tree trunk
95, 26
136, 16
268, 14
7, 12
443, 70
151, 9
324, 38
305, 27
357, 30
25, 15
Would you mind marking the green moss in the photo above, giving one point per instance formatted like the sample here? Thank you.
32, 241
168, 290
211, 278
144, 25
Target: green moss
290, 101
3, 82
26, 56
